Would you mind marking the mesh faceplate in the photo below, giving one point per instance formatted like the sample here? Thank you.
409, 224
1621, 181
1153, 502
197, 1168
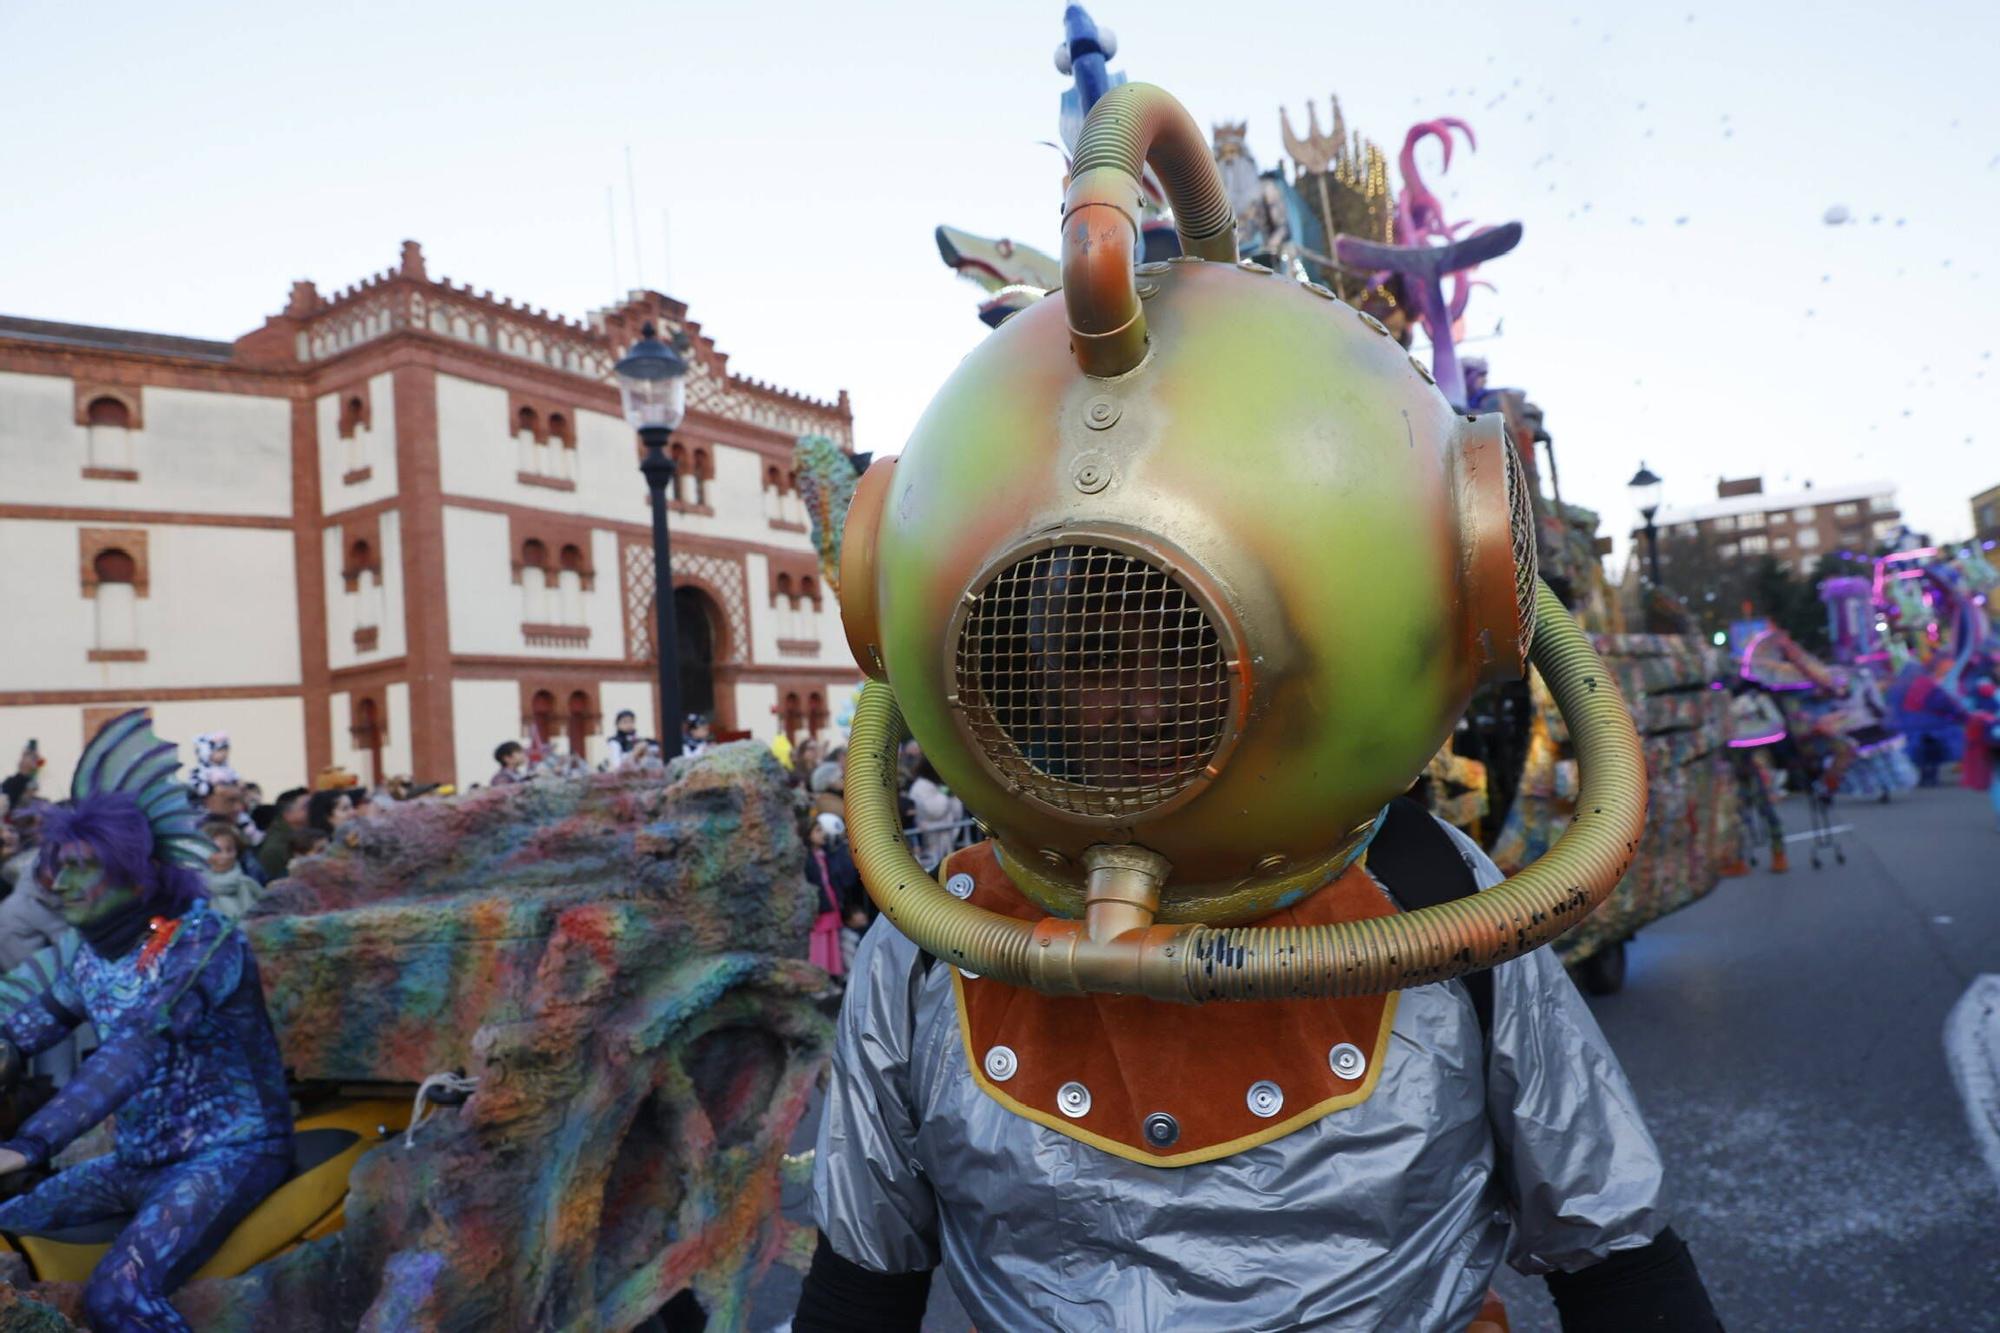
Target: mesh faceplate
1521, 523
1092, 680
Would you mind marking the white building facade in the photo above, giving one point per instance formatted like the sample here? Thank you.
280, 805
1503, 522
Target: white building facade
391, 529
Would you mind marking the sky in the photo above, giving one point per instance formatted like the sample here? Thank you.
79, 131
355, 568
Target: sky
1677, 299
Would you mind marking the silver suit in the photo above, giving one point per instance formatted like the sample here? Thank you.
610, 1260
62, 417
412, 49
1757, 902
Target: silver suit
1389, 1215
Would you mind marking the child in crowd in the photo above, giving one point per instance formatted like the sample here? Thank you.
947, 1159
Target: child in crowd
230, 890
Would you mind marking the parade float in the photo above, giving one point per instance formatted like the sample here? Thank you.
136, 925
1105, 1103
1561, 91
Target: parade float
1916, 624
602, 979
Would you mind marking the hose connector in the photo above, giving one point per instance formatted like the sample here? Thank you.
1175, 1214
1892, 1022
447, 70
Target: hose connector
1133, 126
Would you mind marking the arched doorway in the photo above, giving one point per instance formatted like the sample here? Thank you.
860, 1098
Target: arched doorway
694, 626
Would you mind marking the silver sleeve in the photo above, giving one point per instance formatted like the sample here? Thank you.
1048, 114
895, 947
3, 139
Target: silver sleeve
1582, 1172
870, 1198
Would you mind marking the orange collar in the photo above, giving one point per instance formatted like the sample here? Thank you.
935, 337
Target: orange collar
1169, 1084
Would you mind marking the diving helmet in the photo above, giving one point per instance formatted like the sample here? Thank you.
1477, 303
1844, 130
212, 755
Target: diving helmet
1185, 572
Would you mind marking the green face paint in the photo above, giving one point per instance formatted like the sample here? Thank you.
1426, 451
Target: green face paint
83, 891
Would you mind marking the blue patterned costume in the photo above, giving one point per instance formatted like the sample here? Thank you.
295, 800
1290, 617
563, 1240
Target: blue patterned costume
192, 1068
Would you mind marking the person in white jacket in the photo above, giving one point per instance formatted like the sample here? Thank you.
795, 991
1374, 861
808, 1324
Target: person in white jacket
939, 815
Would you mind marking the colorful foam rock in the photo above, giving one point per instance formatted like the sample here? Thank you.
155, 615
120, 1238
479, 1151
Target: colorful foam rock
619, 964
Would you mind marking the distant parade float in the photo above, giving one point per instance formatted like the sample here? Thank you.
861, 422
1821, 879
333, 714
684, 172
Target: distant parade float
1917, 625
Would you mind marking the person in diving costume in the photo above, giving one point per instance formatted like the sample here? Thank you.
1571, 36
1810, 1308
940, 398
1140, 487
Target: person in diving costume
1182, 578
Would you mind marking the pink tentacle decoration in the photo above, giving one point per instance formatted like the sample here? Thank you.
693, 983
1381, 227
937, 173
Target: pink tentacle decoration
1419, 214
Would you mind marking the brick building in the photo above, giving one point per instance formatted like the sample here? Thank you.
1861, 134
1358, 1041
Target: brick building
1986, 515
1795, 528
391, 528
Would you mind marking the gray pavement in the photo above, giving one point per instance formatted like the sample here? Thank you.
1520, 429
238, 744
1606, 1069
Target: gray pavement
1785, 1036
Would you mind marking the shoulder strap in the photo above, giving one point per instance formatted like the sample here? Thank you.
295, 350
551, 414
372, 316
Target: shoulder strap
1417, 862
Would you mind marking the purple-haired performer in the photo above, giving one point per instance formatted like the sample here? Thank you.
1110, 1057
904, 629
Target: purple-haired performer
188, 1060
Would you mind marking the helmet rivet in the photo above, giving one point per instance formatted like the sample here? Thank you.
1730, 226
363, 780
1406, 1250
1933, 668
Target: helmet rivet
1148, 289
959, 886
1251, 266
1185, 259
1073, 1100
1051, 857
1265, 1099
1162, 1130
1423, 370
1101, 414
1321, 290
1001, 1064
1272, 864
1373, 323
1092, 473
1152, 268
1347, 1061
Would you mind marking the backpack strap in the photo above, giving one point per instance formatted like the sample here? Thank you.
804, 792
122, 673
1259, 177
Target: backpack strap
1418, 863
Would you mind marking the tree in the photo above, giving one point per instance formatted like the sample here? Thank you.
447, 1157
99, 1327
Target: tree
1719, 591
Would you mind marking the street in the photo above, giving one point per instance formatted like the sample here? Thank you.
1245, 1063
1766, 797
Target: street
1786, 1038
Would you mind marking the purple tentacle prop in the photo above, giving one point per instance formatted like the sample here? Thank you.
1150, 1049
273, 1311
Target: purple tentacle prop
1419, 214
1428, 249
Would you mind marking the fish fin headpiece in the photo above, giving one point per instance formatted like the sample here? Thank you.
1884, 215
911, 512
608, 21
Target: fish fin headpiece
125, 757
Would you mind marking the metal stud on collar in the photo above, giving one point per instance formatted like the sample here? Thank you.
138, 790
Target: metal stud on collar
1347, 1061
959, 886
1162, 1130
1265, 1098
1001, 1064
1073, 1100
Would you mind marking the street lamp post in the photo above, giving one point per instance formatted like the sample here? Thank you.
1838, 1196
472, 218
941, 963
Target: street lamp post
1646, 490
652, 383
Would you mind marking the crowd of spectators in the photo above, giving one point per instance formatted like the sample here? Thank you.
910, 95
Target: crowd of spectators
934, 824
254, 842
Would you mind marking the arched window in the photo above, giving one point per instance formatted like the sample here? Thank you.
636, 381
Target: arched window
703, 471
582, 721
562, 446
367, 731
794, 509
117, 599
782, 602
541, 718
816, 718
110, 412
527, 439
354, 431
364, 581
534, 583
679, 454
793, 719
110, 433
774, 492
569, 587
